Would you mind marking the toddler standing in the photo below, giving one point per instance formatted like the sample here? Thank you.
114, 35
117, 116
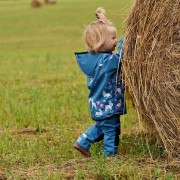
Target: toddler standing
106, 98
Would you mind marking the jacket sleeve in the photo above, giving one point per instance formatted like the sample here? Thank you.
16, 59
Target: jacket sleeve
120, 43
120, 46
112, 61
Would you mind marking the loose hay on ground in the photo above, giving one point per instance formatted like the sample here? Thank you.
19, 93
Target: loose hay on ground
152, 67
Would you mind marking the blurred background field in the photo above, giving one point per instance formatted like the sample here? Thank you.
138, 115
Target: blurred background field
43, 98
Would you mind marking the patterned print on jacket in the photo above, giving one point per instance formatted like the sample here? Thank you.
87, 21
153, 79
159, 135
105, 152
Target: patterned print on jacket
107, 97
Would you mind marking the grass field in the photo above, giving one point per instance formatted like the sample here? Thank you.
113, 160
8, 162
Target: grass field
43, 98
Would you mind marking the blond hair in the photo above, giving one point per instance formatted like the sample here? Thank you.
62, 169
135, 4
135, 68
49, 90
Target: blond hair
96, 33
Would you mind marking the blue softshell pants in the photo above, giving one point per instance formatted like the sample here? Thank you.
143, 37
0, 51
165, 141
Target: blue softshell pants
108, 129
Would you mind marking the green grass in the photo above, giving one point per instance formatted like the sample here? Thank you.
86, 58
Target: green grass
42, 90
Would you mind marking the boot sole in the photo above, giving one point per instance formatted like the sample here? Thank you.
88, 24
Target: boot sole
82, 150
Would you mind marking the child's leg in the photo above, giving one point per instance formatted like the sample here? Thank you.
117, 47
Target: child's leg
111, 130
92, 135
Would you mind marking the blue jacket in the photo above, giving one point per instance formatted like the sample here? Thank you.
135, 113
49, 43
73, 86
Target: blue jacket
107, 95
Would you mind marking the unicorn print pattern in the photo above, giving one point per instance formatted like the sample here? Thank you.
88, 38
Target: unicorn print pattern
118, 90
119, 104
109, 107
106, 94
99, 113
93, 103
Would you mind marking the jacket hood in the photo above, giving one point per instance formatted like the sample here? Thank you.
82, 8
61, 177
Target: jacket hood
88, 62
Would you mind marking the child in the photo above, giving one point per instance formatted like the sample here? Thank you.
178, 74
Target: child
106, 98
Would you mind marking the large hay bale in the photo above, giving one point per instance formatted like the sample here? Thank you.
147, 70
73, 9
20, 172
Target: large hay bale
152, 67
36, 3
